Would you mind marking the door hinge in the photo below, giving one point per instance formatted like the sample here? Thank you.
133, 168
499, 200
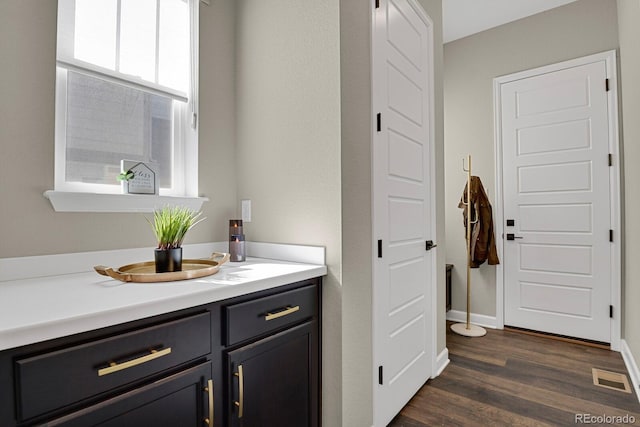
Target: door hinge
377, 4
611, 235
611, 311
606, 84
379, 248
610, 157
380, 375
378, 122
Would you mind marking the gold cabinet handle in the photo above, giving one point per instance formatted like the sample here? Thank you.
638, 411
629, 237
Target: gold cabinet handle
240, 403
115, 367
209, 390
285, 312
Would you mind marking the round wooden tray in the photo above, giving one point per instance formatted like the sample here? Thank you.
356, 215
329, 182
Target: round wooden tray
145, 272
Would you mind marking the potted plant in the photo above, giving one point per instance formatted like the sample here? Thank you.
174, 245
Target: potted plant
170, 224
126, 176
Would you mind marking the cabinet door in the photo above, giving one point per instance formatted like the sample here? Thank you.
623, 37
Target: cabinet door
182, 399
274, 381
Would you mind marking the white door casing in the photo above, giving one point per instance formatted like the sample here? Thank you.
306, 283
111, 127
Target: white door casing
555, 129
403, 205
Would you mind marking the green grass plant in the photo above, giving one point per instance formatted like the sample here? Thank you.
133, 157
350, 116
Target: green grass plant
171, 223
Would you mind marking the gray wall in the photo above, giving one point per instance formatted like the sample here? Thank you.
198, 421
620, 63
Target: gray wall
357, 368
357, 346
288, 144
628, 18
28, 223
577, 29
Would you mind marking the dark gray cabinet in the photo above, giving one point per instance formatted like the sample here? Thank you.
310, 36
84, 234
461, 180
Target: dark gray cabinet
100, 365
272, 355
259, 353
272, 381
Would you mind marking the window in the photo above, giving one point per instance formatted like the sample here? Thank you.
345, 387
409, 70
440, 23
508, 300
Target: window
126, 90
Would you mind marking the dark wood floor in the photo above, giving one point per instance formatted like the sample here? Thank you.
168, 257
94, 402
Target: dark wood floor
511, 379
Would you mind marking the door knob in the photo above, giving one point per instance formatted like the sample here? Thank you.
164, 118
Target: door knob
429, 245
511, 236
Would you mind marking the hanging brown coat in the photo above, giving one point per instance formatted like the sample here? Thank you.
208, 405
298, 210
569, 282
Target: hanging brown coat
483, 244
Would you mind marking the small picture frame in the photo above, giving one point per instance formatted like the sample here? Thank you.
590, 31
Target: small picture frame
145, 179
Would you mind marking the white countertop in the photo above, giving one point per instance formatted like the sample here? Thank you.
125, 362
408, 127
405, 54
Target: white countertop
38, 309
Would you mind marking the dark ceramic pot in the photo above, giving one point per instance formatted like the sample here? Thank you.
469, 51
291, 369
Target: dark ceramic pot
168, 260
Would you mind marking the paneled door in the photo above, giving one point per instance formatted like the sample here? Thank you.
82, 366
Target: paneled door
556, 180
403, 204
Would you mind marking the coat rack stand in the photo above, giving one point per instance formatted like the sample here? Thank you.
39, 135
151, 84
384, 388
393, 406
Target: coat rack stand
467, 329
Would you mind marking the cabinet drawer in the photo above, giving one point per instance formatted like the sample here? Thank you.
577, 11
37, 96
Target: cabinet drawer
56, 379
253, 318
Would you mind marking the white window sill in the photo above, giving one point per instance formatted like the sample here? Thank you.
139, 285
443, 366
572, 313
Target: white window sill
65, 201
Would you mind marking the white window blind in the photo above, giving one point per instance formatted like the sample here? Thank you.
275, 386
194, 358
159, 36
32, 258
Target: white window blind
144, 44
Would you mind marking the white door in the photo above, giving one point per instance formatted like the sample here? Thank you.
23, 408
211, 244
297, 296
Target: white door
402, 204
557, 202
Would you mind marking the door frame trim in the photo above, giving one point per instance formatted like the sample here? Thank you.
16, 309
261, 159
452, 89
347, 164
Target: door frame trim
609, 57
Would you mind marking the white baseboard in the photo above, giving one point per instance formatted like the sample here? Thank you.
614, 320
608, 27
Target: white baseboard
476, 319
632, 367
442, 361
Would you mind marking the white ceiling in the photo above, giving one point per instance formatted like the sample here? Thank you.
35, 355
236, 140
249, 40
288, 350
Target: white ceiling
462, 18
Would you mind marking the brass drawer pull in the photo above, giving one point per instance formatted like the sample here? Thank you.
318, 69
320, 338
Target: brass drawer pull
115, 367
209, 390
240, 402
287, 311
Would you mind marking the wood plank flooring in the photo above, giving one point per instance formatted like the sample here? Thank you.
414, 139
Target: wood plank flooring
511, 379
